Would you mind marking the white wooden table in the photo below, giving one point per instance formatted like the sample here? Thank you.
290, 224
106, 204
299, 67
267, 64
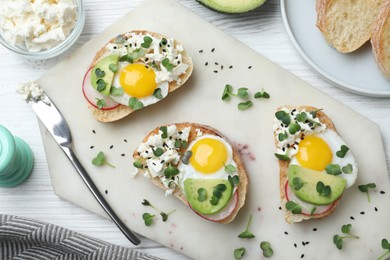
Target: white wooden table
262, 30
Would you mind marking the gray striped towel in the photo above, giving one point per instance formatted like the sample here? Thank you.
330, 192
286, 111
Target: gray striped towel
23, 238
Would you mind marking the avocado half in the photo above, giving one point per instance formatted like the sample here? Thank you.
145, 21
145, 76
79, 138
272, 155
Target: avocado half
232, 6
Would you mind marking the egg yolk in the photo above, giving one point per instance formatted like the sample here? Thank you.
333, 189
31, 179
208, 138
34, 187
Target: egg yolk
208, 155
314, 153
137, 80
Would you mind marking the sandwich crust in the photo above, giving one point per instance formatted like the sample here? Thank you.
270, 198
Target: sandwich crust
283, 172
122, 111
242, 187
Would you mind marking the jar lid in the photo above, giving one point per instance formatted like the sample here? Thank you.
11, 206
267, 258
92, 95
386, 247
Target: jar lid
7, 148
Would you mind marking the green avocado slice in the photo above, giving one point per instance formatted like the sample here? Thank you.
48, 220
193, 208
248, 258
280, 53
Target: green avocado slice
232, 6
308, 179
199, 193
103, 67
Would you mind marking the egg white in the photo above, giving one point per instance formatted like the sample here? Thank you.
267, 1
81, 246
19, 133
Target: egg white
146, 101
187, 171
335, 141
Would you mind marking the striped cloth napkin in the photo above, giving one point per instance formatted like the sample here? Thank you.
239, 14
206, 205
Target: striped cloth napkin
23, 238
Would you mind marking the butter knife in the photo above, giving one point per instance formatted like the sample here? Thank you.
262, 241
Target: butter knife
55, 123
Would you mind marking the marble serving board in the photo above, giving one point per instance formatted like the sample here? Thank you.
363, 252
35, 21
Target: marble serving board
218, 60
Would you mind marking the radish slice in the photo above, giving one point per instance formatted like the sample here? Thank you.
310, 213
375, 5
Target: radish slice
224, 213
92, 94
306, 207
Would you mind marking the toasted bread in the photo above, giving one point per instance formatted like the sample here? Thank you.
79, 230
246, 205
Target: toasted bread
122, 110
283, 171
346, 25
380, 39
242, 187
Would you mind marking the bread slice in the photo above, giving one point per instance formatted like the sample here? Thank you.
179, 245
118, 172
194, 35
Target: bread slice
283, 170
122, 110
380, 39
346, 24
242, 187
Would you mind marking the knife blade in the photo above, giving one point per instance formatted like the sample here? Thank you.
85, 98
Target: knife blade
56, 124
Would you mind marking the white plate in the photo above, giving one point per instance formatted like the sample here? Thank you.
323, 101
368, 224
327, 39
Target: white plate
356, 72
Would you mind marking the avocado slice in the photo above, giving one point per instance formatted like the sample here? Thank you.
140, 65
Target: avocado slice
232, 6
204, 205
104, 66
309, 178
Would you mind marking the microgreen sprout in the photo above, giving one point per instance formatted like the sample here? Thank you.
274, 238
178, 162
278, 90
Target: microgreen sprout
301, 117
242, 93
148, 217
282, 136
294, 207
157, 93
158, 152
234, 180
347, 168
333, 169
314, 112
282, 157
364, 188
99, 73
246, 233
186, 157
164, 130
100, 103
101, 85
239, 253
116, 91
294, 128
338, 240
228, 90
297, 183
267, 249
322, 189
179, 144
138, 164
135, 104
147, 42
230, 168
386, 246
262, 94
169, 66
113, 67
202, 194
245, 105
343, 151
284, 117
101, 160
217, 193
170, 172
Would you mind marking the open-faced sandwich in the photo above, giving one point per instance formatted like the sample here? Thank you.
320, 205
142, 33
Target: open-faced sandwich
132, 71
196, 164
316, 166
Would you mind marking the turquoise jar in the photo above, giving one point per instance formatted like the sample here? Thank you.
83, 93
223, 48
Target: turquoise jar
16, 159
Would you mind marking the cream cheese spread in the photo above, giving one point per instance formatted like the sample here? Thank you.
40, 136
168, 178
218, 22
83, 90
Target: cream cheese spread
37, 25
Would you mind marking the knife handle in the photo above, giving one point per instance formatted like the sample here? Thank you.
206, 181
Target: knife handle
92, 187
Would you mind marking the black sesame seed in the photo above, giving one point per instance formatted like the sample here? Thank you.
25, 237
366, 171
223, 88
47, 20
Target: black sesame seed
125, 140
106, 191
111, 146
115, 47
294, 110
138, 153
221, 67
249, 67
180, 132
362, 213
302, 256
170, 138
303, 243
162, 161
164, 50
168, 45
213, 49
153, 163
207, 63
215, 71
382, 192
307, 242
178, 62
200, 51
288, 145
135, 44
91, 147
146, 166
314, 229
230, 67
146, 151
352, 218
285, 232
93, 131
280, 208
122, 154
295, 245
216, 63
283, 149
126, 45
376, 209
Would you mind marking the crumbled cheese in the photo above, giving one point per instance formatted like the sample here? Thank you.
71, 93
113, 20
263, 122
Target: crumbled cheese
31, 90
37, 25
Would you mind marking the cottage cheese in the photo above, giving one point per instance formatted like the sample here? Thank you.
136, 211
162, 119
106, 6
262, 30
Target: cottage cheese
37, 25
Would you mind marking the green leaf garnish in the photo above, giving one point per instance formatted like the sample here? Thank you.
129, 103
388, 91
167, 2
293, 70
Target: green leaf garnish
186, 157
347, 168
147, 42
246, 233
148, 219
202, 194
126, 57
100, 103
295, 208
171, 171
120, 39
113, 67
116, 91
282, 136
100, 159
242, 92
338, 240
333, 169
282, 157
101, 85
158, 152
245, 105
314, 112
322, 189
284, 117
146, 203
267, 249
262, 94
301, 117
294, 128
230, 168
386, 246
239, 253
364, 188
234, 180
179, 144
137, 53
157, 93
297, 183
343, 151
217, 193
164, 130
166, 63
99, 73
138, 164
313, 209
135, 104
228, 90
